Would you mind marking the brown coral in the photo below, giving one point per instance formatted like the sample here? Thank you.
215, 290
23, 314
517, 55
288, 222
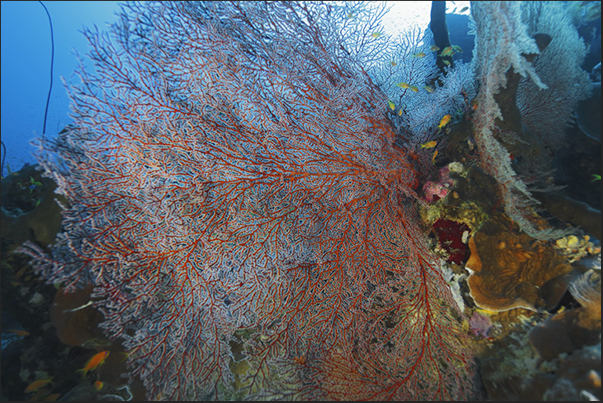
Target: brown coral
512, 270
571, 330
75, 320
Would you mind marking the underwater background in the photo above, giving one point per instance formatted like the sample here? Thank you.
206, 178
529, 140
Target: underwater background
26, 64
26, 59
374, 205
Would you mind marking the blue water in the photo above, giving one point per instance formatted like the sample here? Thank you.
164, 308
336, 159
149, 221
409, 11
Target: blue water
26, 56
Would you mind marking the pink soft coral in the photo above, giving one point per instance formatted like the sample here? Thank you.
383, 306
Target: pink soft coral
440, 188
480, 324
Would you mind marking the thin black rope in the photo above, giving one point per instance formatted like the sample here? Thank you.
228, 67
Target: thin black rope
3, 158
51, 70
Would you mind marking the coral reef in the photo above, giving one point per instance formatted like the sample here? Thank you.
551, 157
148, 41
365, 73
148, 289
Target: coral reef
504, 43
75, 319
548, 111
435, 190
573, 211
238, 171
258, 202
508, 269
573, 329
550, 357
28, 207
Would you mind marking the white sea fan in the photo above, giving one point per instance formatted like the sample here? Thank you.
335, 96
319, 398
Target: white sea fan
547, 112
502, 39
417, 114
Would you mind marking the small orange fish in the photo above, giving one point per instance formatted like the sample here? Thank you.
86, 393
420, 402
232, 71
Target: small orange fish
403, 85
435, 154
446, 62
420, 54
393, 63
376, 35
444, 121
414, 88
22, 333
474, 104
434, 48
94, 362
98, 385
428, 89
35, 385
429, 144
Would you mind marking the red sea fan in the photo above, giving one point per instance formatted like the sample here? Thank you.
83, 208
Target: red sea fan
232, 179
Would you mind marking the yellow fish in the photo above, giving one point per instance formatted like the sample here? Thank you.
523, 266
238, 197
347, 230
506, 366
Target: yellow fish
393, 63
457, 48
98, 385
435, 154
35, 385
403, 85
350, 15
434, 48
444, 121
376, 35
420, 54
94, 362
391, 105
448, 51
446, 62
400, 112
428, 89
429, 144
414, 88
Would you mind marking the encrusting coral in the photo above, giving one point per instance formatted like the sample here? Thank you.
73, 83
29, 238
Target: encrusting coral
509, 269
572, 329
